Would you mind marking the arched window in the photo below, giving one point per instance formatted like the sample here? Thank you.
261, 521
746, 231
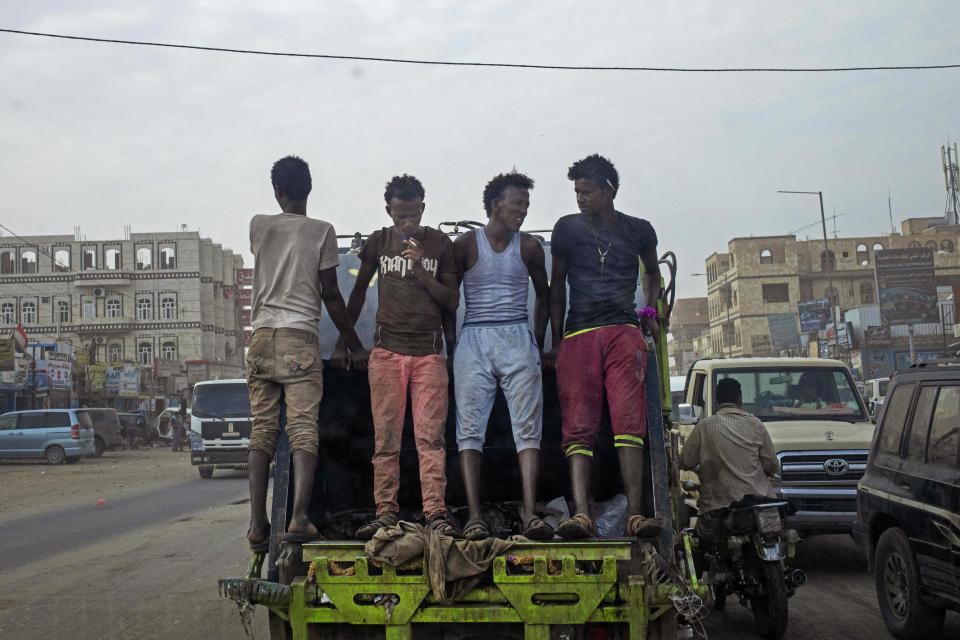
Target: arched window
168, 256
168, 350
914, 244
144, 309
115, 352
168, 308
863, 258
766, 257
828, 261
734, 297
144, 257
114, 309
89, 258
28, 261
866, 292
7, 261
63, 311
111, 259
28, 312
145, 353
931, 244
61, 260
8, 313
877, 247
946, 246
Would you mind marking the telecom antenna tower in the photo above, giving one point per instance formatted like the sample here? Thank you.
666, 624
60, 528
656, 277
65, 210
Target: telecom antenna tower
951, 178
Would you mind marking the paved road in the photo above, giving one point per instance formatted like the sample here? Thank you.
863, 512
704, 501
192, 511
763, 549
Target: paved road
146, 566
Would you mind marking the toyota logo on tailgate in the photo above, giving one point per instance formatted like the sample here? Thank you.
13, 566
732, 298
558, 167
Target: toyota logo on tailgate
836, 467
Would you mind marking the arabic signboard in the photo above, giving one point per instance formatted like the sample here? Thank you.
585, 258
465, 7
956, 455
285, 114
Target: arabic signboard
877, 336
8, 360
96, 377
245, 297
845, 334
244, 318
196, 372
59, 369
907, 290
167, 368
814, 314
244, 277
760, 344
783, 331
123, 380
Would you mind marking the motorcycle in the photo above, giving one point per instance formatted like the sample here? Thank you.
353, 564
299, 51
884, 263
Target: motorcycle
746, 556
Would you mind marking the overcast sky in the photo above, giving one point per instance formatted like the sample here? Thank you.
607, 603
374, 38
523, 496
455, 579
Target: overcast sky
102, 135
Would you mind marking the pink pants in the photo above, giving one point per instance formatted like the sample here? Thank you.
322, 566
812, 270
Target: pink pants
390, 374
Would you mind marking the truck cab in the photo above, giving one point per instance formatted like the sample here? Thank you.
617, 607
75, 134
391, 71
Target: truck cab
220, 422
817, 421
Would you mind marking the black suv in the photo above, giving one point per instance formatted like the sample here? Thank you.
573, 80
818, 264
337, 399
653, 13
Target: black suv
908, 502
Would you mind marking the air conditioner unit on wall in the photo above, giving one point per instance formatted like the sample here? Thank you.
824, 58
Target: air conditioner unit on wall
99, 292
100, 340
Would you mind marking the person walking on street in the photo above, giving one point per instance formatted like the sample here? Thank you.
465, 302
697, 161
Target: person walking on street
418, 297
601, 349
176, 432
496, 347
295, 273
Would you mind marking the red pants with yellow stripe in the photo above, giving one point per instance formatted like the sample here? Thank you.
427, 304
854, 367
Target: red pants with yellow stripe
611, 359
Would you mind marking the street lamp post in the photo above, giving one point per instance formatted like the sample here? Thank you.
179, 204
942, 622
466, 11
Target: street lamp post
832, 264
725, 336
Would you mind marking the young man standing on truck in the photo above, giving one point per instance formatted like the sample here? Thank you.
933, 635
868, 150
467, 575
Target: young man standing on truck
733, 456
603, 345
295, 271
418, 296
496, 264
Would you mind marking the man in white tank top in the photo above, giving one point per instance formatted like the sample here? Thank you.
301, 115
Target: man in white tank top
496, 346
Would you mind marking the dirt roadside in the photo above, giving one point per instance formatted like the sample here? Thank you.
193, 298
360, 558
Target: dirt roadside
32, 486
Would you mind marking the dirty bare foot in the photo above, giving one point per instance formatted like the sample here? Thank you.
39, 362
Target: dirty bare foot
302, 526
258, 534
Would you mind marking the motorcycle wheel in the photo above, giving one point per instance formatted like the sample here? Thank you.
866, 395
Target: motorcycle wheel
719, 597
770, 609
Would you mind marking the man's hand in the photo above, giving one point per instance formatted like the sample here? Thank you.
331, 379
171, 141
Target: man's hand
359, 359
413, 252
340, 358
549, 358
651, 326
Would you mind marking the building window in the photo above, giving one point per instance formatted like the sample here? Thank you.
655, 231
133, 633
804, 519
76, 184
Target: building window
877, 247
168, 350
61, 260
779, 292
28, 312
7, 261
931, 244
144, 309
145, 353
8, 313
63, 311
946, 246
168, 256
828, 261
144, 258
734, 297
766, 257
115, 352
28, 261
114, 309
914, 244
866, 293
112, 258
168, 308
863, 258
89, 255
88, 307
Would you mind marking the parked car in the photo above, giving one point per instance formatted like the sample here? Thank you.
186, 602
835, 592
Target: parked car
135, 429
908, 503
59, 435
108, 432
161, 424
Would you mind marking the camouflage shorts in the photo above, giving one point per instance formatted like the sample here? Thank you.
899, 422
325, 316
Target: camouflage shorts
284, 364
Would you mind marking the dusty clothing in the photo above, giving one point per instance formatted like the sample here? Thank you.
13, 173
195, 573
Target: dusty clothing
496, 287
612, 359
603, 288
390, 375
409, 320
453, 565
288, 251
485, 357
733, 455
284, 365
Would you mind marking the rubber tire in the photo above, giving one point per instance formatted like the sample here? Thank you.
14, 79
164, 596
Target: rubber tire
73, 459
55, 455
770, 614
99, 446
921, 620
206, 472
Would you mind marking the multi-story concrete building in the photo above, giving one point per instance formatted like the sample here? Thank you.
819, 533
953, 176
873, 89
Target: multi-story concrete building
758, 277
164, 301
689, 319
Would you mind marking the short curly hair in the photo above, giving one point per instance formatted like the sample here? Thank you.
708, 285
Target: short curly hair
598, 169
499, 183
291, 177
404, 187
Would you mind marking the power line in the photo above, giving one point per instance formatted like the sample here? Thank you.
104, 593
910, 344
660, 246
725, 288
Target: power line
503, 65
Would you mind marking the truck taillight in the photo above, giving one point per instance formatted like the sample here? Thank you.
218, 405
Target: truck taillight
75, 432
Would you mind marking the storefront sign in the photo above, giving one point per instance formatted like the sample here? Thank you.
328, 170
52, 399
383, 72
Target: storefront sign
123, 380
877, 336
59, 370
814, 314
907, 290
8, 361
244, 277
760, 344
783, 331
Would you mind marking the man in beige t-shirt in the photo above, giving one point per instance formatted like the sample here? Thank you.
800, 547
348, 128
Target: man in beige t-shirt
295, 269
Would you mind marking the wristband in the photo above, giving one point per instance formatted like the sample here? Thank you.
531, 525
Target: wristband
647, 312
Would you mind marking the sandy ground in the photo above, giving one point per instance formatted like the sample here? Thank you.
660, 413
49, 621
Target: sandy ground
31, 486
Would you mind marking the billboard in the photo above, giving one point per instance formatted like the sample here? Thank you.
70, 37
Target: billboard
123, 380
905, 282
760, 344
814, 314
877, 336
783, 331
244, 277
7, 355
59, 370
244, 297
